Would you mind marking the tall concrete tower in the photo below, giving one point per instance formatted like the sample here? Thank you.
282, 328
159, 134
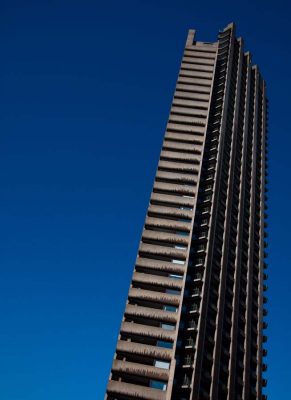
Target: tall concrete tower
193, 326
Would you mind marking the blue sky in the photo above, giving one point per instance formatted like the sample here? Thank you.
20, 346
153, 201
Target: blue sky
85, 91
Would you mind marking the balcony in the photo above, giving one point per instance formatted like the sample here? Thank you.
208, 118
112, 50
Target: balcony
183, 137
192, 326
174, 188
201, 68
165, 252
157, 265
203, 106
168, 200
179, 109
206, 199
184, 127
183, 212
186, 383
197, 263
189, 344
194, 309
187, 362
144, 350
150, 313
154, 296
156, 280
195, 57
195, 293
200, 248
132, 368
205, 211
198, 277
127, 390
157, 237
176, 178
161, 223
147, 331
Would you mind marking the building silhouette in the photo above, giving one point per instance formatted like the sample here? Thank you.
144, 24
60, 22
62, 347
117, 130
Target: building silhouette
193, 326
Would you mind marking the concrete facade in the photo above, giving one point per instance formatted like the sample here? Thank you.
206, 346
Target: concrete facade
193, 326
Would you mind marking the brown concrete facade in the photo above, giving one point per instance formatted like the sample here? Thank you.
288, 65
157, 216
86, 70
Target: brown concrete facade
193, 326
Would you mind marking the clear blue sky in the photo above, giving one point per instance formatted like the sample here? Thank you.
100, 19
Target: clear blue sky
85, 90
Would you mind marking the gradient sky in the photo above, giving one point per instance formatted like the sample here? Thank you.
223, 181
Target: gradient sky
85, 91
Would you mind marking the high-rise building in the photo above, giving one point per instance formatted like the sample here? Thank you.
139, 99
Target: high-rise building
193, 326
